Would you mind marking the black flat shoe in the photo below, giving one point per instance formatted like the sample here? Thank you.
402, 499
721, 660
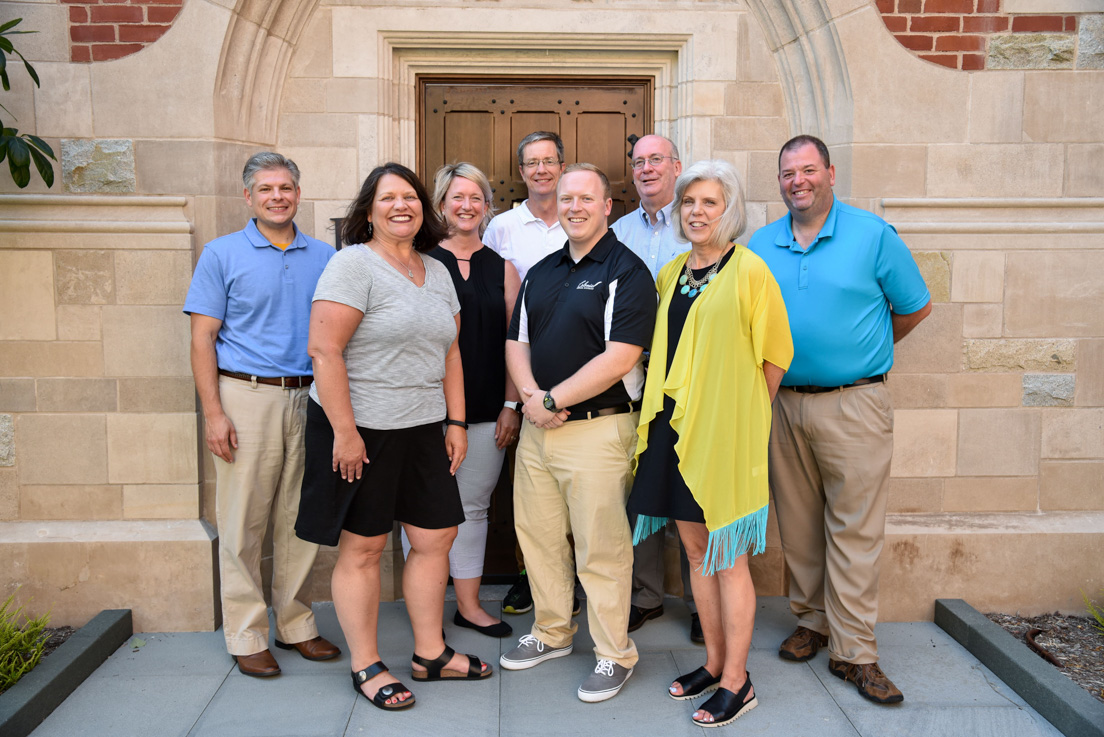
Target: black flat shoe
726, 707
695, 684
385, 692
498, 629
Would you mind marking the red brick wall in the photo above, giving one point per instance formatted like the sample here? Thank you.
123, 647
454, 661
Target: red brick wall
101, 30
955, 33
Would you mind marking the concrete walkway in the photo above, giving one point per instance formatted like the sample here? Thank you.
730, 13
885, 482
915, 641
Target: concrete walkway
185, 684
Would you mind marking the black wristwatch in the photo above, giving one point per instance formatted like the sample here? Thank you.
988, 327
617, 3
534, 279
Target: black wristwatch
549, 402
458, 423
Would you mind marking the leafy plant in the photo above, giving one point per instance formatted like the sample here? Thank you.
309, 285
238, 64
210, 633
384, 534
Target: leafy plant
21, 149
20, 646
1097, 612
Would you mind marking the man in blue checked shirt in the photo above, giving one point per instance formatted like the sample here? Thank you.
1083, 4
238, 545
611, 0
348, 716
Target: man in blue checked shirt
649, 232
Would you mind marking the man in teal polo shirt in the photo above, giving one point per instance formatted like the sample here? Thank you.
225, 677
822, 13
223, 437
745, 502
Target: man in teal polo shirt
852, 290
250, 302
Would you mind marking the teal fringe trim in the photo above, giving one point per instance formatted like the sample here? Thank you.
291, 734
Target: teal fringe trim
749, 533
647, 526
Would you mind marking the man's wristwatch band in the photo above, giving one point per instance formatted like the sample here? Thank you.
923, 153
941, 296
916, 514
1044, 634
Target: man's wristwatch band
515, 406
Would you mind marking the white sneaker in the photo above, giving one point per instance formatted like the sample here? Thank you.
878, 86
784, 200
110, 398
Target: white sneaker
529, 652
604, 683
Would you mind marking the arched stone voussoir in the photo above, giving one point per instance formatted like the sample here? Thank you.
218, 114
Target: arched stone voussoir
256, 51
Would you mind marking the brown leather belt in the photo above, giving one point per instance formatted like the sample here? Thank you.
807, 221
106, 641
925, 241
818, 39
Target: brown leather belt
821, 389
620, 409
284, 382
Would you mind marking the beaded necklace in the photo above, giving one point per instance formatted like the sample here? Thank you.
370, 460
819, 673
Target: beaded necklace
692, 287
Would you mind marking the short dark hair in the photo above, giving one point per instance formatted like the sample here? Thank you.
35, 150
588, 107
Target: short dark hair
805, 140
536, 136
355, 226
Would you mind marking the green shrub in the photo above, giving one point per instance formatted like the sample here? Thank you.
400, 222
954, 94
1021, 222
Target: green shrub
1097, 612
20, 646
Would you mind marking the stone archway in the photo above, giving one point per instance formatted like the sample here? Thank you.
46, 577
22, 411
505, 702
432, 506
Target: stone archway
262, 35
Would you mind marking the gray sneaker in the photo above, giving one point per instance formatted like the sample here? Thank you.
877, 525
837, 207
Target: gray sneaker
529, 652
604, 683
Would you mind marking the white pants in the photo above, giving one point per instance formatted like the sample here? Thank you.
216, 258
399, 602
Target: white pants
476, 477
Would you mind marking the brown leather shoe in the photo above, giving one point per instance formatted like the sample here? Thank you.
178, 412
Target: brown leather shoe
802, 645
316, 648
258, 665
868, 677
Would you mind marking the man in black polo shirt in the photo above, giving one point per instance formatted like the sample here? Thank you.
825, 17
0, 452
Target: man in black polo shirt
584, 316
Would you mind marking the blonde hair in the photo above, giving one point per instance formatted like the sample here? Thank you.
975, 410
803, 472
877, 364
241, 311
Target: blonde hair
607, 192
444, 179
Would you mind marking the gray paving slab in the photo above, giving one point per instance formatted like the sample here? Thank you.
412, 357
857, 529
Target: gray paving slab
926, 720
132, 706
917, 656
169, 653
310, 706
185, 684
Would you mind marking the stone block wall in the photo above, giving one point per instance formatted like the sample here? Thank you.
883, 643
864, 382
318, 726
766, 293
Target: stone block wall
98, 428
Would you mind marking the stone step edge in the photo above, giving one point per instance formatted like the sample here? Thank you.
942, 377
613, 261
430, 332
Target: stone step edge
26, 704
1061, 701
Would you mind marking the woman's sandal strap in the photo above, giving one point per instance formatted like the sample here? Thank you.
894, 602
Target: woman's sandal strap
370, 672
435, 666
384, 692
695, 683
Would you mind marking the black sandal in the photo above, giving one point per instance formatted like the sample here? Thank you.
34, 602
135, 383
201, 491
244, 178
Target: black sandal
695, 684
385, 692
726, 707
435, 669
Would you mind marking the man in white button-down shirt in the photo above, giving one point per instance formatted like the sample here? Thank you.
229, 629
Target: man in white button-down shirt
650, 233
531, 231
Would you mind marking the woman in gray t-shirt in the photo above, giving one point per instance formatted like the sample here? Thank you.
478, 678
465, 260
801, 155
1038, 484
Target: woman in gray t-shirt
387, 374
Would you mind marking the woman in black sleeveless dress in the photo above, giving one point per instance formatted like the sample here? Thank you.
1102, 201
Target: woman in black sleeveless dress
486, 285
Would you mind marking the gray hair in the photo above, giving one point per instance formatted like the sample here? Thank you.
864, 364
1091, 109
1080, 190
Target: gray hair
536, 136
724, 173
267, 160
444, 179
674, 148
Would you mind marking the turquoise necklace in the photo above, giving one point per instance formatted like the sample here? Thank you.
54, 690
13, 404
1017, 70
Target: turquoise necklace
692, 287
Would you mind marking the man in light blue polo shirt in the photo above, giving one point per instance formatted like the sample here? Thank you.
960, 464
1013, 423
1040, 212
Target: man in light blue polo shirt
852, 290
649, 232
250, 302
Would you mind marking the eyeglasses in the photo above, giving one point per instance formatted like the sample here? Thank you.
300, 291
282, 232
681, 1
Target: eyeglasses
654, 160
549, 163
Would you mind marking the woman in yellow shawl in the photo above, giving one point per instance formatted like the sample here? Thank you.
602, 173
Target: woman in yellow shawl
721, 346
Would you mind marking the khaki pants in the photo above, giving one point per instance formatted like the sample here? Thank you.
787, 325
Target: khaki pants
577, 478
829, 473
265, 478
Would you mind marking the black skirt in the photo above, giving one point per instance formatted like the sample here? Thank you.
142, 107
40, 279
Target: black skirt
406, 479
